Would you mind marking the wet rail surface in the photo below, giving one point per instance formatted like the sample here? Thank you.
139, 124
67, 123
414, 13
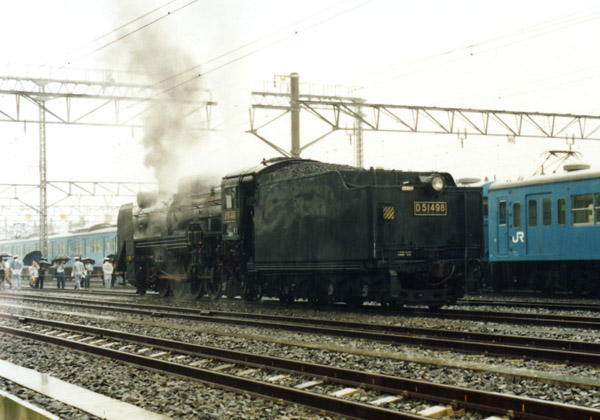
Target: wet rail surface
561, 306
564, 351
209, 364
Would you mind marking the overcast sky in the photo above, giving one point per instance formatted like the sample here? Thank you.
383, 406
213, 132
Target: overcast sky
512, 55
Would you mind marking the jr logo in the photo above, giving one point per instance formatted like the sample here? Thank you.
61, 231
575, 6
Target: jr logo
519, 237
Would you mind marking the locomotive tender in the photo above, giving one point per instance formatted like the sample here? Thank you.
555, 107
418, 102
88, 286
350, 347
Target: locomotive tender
302, 229
544, 233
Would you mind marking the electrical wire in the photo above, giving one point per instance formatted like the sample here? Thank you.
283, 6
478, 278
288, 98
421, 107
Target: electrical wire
256, 50
241, 47
537, 30
116, 29
129, 33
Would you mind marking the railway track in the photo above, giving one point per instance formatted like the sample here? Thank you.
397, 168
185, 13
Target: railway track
559, 306
461, 341
317, 386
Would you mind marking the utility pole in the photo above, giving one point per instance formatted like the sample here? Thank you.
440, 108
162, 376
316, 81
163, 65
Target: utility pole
98, 89
292, 101
295, 109
43, 191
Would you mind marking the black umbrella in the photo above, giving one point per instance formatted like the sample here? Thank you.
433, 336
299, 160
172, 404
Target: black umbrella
60, 258
90, 260
31, 257
109, 257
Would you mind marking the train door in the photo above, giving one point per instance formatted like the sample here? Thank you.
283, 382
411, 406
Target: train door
502, 232
539, 224
516, 231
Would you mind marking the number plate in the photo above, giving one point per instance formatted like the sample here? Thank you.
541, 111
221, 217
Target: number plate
431, 208
230, 216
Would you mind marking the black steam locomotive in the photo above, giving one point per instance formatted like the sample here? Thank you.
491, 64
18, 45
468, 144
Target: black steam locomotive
302, 229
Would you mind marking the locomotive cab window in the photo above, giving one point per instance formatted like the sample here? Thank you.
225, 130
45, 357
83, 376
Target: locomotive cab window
517, 215
231, 198
502, 212
561, 211
582, 209
546, 211
532, 212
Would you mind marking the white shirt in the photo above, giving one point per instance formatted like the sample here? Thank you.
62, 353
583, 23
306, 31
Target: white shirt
17, 266
107, 267
78, 268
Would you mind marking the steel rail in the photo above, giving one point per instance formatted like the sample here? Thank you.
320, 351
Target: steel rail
566, 306
468, 342
520, 407
564, 321
350, 409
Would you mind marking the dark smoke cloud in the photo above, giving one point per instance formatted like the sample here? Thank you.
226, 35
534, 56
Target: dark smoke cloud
169, 139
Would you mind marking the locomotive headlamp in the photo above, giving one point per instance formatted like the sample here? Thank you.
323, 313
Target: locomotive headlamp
437, 183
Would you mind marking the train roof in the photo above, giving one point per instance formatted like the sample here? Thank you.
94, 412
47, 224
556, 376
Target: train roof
111, 229
547, 179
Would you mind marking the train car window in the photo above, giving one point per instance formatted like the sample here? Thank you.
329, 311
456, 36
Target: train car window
546, 211
502, 212
517, 215
532, 212
485, 207
561, 214
597, 208
582, 209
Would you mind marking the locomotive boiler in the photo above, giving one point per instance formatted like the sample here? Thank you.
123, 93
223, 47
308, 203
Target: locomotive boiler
302, 229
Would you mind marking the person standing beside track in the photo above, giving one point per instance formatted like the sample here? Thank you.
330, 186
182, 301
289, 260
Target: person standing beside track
6, 267
77, 273
43, 270
60, 275
33, 275
89, 268
17, 266
107, 269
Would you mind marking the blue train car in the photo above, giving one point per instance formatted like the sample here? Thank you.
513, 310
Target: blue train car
95, 242
544, 233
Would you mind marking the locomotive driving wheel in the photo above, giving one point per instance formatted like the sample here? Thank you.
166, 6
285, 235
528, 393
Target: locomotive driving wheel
213, 281
179, 284
180, 288
162, 286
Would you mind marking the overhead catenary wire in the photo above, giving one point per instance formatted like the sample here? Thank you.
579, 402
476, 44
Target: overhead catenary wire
241, 47
537, 30
255, 51
129, 33
117, 29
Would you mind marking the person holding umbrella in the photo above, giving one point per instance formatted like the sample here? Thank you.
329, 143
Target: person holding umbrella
89, 268
60, 274
43, 269
33, 274
5, 271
